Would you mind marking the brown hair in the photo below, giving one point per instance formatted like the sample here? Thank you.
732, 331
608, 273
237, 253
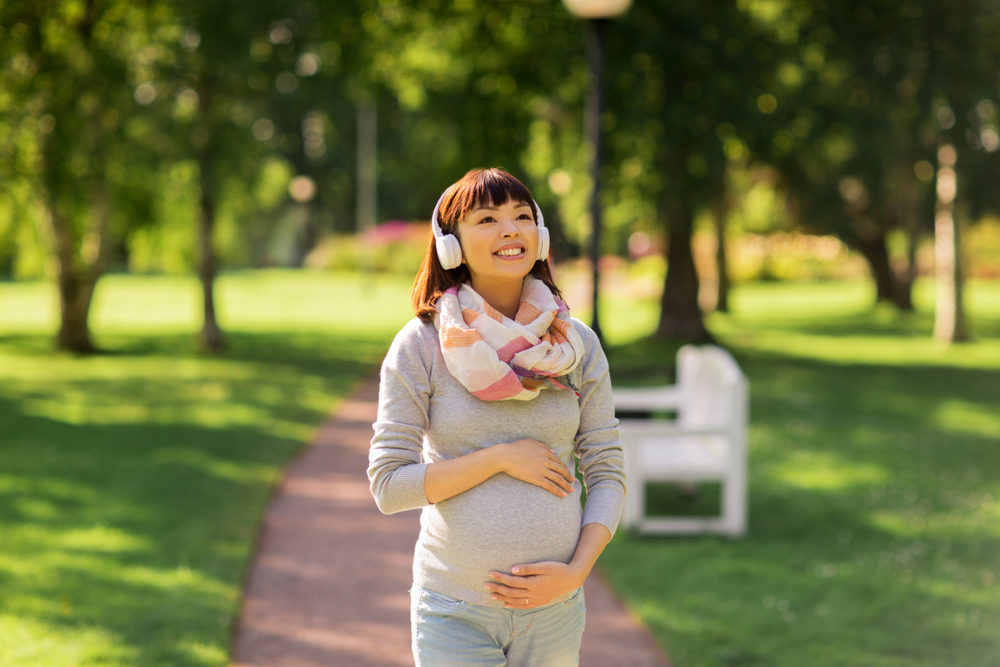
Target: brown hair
492, 187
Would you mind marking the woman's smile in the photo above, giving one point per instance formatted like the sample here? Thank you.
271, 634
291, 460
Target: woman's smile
511, 251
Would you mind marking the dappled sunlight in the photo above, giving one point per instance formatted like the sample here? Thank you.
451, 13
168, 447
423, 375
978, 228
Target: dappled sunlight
31, 641
875, 349
825, 471
201, 653
916, 522
102, 539
788, 302
836, 322
141, 473
313, 301
161, 389
961, 416
132, 482
874, 504
83, 408
214, 466
29, 308
140, 369
55, 595
274, 300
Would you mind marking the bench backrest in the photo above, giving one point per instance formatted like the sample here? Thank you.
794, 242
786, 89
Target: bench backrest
709, 379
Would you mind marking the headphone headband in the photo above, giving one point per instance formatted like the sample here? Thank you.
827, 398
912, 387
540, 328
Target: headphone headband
435, 225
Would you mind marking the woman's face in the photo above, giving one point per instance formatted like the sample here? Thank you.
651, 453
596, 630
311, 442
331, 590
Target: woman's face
499, 243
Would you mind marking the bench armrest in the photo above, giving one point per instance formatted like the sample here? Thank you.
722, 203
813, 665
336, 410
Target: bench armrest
659, 427
648, 398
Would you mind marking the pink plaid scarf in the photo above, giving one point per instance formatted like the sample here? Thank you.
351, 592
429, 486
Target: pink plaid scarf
497, 358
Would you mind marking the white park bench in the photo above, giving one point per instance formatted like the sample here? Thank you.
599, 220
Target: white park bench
706, 442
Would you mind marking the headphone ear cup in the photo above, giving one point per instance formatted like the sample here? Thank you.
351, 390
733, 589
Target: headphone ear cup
449, 251
543, 243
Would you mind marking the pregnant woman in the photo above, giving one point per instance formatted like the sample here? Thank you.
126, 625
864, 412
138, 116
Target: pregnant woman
487, 398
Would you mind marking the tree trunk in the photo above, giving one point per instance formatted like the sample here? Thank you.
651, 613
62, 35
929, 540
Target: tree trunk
75, 295
82, 256
719, 211
366, 180
949, 316
889, 286
907, 221
211, 334
79, 271
680, 316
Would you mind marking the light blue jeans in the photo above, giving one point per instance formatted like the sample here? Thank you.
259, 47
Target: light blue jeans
453, 633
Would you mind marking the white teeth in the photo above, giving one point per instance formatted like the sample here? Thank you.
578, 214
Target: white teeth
509, 252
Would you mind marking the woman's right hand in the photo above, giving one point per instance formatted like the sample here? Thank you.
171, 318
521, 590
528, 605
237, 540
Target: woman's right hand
532, 462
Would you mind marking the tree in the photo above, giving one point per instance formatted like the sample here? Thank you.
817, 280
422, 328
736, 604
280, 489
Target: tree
218, 58
687, 92
864, 93
949, 315
68, 68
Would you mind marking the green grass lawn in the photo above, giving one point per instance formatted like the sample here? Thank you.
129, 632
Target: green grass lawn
874, 485
132, 482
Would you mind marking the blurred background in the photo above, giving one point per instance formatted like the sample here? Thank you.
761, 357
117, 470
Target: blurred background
813, 184
778, 140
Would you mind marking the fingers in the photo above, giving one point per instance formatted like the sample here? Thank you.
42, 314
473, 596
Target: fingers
562, 468
565, 472
507, 592
553, 456
542, 467
532, 569
562, 476
517, 603
512, 597
518, 573
514, 603
558, 485
502, 578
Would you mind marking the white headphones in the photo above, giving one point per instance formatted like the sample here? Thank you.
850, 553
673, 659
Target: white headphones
449, 250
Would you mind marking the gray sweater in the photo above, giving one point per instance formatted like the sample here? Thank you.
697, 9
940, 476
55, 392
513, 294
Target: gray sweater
426, 415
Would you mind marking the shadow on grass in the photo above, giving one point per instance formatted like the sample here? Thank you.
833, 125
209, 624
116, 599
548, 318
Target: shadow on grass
132, 484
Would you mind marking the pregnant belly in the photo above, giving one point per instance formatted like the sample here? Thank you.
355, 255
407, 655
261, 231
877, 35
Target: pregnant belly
505, 513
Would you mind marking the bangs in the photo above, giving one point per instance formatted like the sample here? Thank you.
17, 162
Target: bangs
479, 187
483, 187
495, 188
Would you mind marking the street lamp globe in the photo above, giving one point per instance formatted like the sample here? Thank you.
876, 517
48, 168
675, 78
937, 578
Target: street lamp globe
597, 9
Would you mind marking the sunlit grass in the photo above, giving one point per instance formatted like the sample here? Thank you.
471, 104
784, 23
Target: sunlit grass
132, 482
835, 322
874, 491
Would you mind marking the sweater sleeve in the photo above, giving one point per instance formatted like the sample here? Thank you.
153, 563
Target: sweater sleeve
598, 445
395, 461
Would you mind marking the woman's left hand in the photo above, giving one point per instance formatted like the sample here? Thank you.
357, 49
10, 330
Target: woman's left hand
534, 585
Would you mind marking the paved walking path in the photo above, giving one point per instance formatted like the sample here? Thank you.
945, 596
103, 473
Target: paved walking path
328, 586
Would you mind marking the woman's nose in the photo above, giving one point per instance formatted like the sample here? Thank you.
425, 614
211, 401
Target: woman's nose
509, 228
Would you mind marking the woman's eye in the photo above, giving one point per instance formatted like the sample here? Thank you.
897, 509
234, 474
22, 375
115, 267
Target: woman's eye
488, 218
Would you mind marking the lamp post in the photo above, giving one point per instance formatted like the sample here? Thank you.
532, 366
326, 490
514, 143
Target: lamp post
597, 14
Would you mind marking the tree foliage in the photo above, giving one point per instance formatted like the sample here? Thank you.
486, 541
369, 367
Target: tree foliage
160, 135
